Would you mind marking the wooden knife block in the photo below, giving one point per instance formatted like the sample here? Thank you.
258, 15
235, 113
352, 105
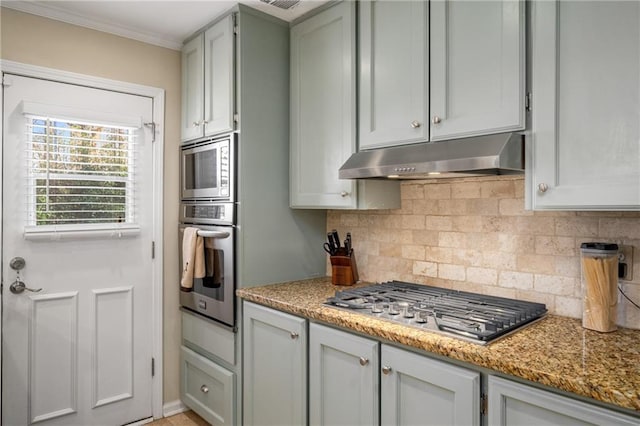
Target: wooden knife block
344, 270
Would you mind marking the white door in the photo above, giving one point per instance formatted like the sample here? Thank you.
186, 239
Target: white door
77, 197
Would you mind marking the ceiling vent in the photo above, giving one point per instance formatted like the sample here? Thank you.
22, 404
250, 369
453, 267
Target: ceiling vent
282, 4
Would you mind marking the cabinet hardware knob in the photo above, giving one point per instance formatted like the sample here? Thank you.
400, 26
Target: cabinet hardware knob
542, 187
386, 370
363, 361
436, 119
205, 122
344, 194
195, 124
204, 389
415, 124
294, 335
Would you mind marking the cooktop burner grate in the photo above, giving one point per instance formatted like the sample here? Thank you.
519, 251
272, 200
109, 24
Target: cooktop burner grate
473, 317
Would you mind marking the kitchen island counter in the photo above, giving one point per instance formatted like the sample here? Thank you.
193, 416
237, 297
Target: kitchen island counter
555, 351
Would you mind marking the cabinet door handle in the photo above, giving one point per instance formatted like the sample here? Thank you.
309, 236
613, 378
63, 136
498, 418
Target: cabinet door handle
363, 361
415, 124
543, 187
436, 120
386, 370
196, 123
294, 335
344, 194
204, 389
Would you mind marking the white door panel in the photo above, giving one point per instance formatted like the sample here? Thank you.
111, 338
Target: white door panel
79, 351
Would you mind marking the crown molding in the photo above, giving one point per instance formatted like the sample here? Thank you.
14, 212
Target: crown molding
50, 11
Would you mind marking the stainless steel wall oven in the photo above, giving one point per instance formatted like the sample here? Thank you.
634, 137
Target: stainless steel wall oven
214, 294
207, 182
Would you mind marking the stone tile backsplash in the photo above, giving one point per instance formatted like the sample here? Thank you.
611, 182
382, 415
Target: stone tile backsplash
475, 235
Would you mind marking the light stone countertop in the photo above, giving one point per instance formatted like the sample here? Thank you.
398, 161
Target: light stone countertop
556, 351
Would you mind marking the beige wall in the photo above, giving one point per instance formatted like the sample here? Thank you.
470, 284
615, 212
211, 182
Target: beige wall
474, 234
38, 41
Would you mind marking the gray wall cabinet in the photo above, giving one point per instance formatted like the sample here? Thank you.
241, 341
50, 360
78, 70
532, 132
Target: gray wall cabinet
459, 72
394, 73
583, 148
418, 390
515, 404
274, 367
323, 115
343, 378
208, 82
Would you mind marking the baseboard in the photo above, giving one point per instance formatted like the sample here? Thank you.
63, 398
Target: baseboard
173, 408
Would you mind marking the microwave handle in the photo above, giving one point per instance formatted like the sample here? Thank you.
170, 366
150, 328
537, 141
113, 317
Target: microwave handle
213, 234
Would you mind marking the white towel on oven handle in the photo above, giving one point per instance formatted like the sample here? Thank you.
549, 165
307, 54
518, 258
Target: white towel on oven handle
192, 257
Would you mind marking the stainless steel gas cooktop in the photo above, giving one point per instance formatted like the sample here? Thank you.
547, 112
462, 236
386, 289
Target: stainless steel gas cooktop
473, 317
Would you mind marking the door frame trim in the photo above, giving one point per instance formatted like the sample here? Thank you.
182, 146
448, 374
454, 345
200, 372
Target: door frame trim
158, 96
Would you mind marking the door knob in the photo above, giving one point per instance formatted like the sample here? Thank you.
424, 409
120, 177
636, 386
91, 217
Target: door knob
18, 287
344, 194
436, 120
415, 124
386, 370
17, 263
363, 361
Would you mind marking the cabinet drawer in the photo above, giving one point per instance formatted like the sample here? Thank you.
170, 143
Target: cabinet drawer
207, 388
208, 336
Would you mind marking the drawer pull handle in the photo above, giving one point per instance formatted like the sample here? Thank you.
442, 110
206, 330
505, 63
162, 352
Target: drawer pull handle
204, 389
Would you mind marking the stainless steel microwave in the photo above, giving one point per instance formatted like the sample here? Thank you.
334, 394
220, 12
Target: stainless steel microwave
207, 170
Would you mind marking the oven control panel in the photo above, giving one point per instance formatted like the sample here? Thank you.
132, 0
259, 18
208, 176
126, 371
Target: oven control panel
209, 213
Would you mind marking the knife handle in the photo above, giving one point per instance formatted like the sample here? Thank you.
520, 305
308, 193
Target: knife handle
336, 238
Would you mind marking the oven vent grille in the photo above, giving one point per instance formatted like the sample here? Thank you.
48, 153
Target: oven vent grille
282, 4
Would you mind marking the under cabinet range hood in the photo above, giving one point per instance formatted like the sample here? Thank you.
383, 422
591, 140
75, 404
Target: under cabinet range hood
482, 155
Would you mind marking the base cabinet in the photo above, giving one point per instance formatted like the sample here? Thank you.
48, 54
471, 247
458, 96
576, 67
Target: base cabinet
207, 361
275, 367
419, 390
343, 378
207, 388
351, 376
515, 404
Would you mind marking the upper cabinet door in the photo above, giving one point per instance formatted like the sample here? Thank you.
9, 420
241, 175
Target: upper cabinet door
477, 67
394, 69
323, 103
192, 88
219, 77
586, 104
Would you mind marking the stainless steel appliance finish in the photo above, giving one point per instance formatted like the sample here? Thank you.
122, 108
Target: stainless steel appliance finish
472, 317
207, 169
213, 295
476, 156
207, 213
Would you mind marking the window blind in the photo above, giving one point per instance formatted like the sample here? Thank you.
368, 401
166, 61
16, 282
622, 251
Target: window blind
79, 173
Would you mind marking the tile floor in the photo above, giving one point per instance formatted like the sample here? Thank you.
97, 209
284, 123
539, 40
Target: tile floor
188, 418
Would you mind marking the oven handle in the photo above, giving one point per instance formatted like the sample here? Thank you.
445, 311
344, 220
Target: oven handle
212, 234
